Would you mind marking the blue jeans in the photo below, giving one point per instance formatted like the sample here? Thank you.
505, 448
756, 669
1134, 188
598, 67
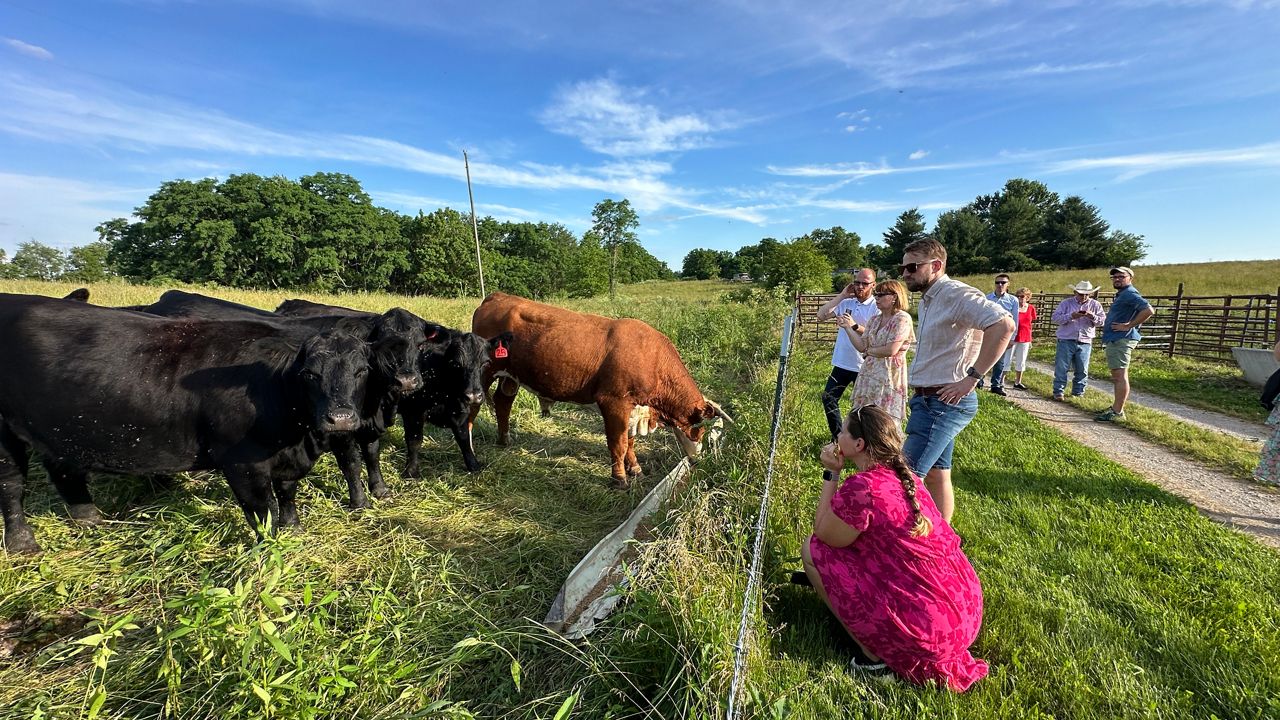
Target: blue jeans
932, 430
997, 370
1074, 355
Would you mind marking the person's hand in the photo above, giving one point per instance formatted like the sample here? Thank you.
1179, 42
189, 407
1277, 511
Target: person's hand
848, 291
846, 321
951, 394
1079, 314
831, 458
1122, 327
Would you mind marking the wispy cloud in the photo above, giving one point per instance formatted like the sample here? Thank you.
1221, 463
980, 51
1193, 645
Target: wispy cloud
1265, 155
26, 213
859, 170
614, 120
918, 155
28, 49
1047, 69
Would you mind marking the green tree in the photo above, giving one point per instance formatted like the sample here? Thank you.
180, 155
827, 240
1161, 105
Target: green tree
4, 265
701, 264
799, 266
963, 235
1074, 236
729, 264
842, 248
908, 228
441, 255
614, 222
1123, 248
36, 261
589, 275
88, 263
544, 251
636, 264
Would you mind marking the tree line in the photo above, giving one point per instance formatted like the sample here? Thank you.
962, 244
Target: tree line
1024, 226
323, 233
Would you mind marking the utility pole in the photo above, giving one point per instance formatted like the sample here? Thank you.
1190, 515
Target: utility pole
475, 228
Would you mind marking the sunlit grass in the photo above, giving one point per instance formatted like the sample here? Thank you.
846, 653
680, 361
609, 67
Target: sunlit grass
1236, 277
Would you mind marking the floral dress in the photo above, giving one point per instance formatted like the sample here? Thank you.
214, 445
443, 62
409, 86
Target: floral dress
1268, 470
883, 381
913, 601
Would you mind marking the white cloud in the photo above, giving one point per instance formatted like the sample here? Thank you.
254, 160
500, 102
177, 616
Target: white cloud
918, 155
28, 49
614, 120
26, 212
1047, 69
1265, 155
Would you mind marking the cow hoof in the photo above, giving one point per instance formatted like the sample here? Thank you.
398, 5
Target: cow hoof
382, 492
364, 504
84, 514
22, 542
475, 467
635, 471
504, 440
621, 483
411, 471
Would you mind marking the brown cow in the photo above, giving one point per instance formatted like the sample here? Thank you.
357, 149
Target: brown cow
629, 370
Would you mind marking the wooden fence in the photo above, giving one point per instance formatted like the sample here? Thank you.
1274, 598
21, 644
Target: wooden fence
1204, 327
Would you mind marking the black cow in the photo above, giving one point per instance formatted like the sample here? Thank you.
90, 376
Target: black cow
453, 374
399, 337
96, 389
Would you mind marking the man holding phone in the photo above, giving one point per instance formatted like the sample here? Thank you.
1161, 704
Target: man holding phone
1078, 319
852, 309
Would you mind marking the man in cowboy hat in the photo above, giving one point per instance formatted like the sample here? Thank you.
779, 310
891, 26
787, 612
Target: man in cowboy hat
1120, 336
1078, 318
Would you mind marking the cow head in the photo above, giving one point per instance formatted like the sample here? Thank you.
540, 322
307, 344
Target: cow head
693, 428
399, 338
334, 370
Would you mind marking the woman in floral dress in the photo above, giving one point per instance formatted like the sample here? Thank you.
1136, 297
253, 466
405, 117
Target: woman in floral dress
1268, 470
883, 343
887, 564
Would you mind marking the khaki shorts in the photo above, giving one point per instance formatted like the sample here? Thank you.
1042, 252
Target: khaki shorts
1118, 352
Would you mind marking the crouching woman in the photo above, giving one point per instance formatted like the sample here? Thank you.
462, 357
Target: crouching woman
886, 563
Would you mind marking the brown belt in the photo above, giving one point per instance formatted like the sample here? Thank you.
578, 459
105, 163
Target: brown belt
927, 391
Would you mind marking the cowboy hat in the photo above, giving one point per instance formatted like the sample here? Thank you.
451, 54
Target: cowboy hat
1084, 287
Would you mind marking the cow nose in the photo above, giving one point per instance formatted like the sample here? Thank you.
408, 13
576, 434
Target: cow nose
342, 420
475, 397
409, 383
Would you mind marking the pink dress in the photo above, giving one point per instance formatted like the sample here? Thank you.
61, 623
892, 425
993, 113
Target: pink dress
914, 601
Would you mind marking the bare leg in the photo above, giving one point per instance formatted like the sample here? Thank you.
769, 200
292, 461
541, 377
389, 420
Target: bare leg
1120, 378
816, 580
938, 481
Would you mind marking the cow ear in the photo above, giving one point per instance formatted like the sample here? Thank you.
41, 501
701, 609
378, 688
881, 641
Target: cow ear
500, 346
713, 410
280, 351
435, 333
358, 326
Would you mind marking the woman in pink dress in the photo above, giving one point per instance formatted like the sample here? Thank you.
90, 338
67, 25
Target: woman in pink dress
888, 565
883, 343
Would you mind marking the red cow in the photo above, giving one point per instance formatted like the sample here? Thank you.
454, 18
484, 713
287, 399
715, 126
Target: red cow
629, 370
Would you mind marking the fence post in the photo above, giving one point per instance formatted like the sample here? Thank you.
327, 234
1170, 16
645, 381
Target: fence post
1173, 326
1222, 329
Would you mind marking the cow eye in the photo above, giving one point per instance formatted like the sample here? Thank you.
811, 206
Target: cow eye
309, 374
362, 370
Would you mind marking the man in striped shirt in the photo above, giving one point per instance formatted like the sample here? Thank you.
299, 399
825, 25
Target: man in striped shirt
961, 335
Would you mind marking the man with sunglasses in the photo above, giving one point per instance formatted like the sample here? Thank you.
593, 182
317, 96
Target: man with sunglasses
960, 335
852, 309
1002, 297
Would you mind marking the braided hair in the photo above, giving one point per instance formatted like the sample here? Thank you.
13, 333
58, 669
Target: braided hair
883, 437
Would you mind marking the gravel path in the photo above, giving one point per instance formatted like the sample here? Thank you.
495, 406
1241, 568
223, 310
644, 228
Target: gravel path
1206, 419
1240, 504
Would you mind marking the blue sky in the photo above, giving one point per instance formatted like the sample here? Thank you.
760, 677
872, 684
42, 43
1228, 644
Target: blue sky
721, 121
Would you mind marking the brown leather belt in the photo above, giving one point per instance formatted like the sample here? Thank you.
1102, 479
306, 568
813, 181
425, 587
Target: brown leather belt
927, 391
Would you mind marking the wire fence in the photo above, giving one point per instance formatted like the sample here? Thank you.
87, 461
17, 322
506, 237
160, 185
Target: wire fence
1203, 327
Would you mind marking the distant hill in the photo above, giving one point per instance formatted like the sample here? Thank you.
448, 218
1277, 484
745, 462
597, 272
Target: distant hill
1233, 277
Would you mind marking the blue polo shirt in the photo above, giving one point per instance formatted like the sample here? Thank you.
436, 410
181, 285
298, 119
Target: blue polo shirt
1124, 308
1009, 302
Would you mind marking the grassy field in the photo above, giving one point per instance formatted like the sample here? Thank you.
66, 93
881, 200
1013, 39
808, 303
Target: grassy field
1243, 277
1106, 597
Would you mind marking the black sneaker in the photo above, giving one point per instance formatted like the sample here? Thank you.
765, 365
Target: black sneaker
1020, 386
800, 577
999, 391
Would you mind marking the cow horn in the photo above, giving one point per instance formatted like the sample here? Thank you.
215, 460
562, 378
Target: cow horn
719, 410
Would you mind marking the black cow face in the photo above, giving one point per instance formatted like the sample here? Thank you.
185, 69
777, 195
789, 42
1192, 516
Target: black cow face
334, 369
467, 358
400, 337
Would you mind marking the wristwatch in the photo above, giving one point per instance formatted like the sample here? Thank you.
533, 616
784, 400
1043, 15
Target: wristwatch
973, 373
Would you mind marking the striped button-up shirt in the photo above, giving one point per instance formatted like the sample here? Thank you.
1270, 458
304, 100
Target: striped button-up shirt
952, 317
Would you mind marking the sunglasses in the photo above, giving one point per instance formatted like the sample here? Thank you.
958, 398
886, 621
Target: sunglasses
909, 268
1002, 282
885, 294
861, 282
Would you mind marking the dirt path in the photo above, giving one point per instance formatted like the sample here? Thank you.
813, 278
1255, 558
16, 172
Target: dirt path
1206, 419
1236, 503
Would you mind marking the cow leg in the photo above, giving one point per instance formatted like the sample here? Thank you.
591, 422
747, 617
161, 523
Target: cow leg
371, 451
616, 415
633, 465
73, 486
18, 537
545, 405
503, 399
252, 488
413, 422
349, 461
462, 434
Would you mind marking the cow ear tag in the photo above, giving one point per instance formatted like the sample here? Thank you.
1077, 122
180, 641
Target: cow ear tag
500, 351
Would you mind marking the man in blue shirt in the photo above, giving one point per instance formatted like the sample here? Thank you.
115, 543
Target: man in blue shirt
1007, 300
1120, 336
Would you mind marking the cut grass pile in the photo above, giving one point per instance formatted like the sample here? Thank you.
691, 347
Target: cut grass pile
1106, 597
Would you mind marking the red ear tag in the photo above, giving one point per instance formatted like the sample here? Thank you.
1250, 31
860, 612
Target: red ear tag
500, 351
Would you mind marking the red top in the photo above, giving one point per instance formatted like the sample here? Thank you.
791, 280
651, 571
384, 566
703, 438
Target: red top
1026, 316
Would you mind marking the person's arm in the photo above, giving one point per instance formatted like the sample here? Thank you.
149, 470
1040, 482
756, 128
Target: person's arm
894, 346
826, 526
1097, 314
1276, 351
1137, 320
995, 338
828, 309
851, 328
1062, 314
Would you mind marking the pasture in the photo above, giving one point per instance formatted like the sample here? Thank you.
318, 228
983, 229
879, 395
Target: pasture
1105, 597
1235, 277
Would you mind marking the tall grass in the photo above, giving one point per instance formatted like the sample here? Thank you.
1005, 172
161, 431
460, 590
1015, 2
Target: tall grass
1236, 277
